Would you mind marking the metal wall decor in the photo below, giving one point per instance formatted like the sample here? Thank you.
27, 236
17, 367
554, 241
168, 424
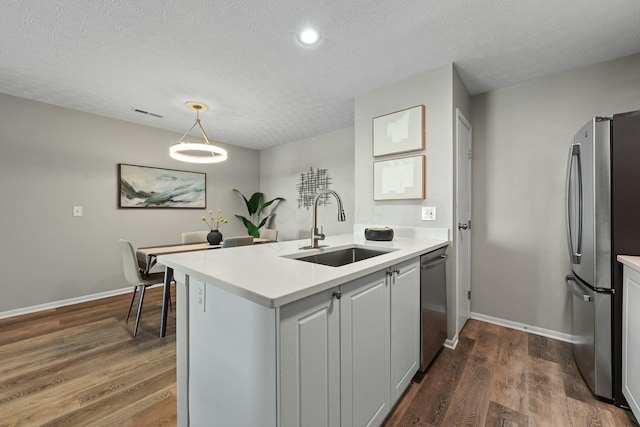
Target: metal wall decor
310, 183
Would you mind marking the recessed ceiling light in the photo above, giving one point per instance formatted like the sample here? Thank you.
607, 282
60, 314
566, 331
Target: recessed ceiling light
309, 37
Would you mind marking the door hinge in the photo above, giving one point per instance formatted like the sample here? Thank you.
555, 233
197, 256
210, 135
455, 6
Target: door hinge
469, 155
468, 294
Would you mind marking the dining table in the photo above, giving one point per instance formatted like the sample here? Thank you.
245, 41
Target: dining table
148, 258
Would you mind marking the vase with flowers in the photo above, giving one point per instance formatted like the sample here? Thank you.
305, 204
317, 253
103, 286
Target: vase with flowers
214, 222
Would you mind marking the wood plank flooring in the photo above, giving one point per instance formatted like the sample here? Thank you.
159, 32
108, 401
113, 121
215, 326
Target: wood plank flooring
502, 377
79, 366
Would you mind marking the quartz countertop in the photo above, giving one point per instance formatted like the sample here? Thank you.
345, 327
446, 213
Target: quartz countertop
630, 261
263, 273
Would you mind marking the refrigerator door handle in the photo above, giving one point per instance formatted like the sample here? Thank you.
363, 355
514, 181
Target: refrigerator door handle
575, 254
575, 288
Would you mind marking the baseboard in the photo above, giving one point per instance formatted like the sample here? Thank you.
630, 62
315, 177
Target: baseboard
65, 302
560, 336
452, 343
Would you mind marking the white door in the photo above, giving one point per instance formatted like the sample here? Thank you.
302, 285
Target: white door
462, 228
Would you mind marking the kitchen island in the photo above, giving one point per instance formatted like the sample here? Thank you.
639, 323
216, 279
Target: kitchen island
266, 339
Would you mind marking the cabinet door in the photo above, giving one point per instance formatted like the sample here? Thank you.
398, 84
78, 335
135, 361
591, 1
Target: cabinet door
631, 339
310, 362
405, 325
364, 329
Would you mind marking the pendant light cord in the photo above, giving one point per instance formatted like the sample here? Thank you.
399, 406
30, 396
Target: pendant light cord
197, 123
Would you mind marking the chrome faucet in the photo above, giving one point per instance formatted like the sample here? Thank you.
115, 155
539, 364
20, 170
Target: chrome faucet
315, 234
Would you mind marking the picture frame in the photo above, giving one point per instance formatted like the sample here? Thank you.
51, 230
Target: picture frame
399, 132
399, 179
146, 187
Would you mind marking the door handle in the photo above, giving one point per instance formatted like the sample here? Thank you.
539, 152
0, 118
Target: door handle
574, 288
575, 248
462, 226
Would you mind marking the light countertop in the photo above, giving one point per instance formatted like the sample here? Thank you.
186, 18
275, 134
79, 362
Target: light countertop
630, 261
263, 273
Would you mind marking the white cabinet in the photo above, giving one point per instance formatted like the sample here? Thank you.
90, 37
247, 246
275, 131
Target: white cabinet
405, 326
310, 361
364, 357
348, 354
631, 339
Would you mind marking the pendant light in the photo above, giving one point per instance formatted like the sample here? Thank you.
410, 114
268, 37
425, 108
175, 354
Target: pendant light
197, 152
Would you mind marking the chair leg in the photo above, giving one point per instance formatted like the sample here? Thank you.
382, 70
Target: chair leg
133, 297
141, 289
169, 298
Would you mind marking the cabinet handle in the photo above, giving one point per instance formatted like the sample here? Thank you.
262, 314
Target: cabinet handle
337, 294
391, 272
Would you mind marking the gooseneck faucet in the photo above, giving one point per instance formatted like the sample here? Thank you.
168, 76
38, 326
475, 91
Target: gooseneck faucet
315, 234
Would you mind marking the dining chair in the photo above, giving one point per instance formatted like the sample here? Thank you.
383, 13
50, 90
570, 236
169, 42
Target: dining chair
230, 242
194, 236
269, 233
139, 281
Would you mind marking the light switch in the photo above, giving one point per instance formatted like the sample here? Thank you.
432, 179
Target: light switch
428, 213
77, 211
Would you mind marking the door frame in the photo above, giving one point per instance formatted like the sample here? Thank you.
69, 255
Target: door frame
463, 260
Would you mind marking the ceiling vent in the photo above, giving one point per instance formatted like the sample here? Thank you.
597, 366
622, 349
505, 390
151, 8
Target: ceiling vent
137, 110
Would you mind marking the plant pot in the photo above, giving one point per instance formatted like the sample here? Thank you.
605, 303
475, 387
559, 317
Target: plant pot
214, 237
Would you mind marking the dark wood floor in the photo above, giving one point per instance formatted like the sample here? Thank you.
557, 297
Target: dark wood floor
79, 366
502, 377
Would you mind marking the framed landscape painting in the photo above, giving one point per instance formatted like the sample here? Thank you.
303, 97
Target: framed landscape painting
399, 132
401, 178
149, 187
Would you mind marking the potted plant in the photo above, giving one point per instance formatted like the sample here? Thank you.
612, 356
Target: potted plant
257, 214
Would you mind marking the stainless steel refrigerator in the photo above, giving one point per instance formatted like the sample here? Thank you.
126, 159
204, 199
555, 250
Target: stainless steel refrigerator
603, 221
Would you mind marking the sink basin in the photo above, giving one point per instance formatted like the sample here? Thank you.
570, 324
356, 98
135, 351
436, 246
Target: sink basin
342, 256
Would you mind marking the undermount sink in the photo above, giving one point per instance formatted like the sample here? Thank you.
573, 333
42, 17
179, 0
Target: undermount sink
342, 257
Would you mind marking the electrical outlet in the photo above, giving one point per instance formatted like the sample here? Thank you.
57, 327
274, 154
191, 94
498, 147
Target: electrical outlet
77, 211
428, 213
199, 289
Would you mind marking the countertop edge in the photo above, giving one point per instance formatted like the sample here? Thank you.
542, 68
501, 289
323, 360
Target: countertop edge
630, 261
304, 291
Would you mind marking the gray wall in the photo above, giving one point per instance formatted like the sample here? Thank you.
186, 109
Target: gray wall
433, 89
52, 158
521, 135
280, 169
440, 91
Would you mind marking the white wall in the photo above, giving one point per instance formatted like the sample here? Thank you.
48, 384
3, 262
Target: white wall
280, 169
521, 135
52, 158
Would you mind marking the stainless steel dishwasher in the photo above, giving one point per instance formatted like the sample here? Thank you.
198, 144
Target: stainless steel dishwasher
433, 305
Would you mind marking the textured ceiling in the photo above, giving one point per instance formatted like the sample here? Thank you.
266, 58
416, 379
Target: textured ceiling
242, 58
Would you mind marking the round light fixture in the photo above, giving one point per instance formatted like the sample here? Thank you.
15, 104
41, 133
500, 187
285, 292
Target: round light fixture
197, 152
309, 37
